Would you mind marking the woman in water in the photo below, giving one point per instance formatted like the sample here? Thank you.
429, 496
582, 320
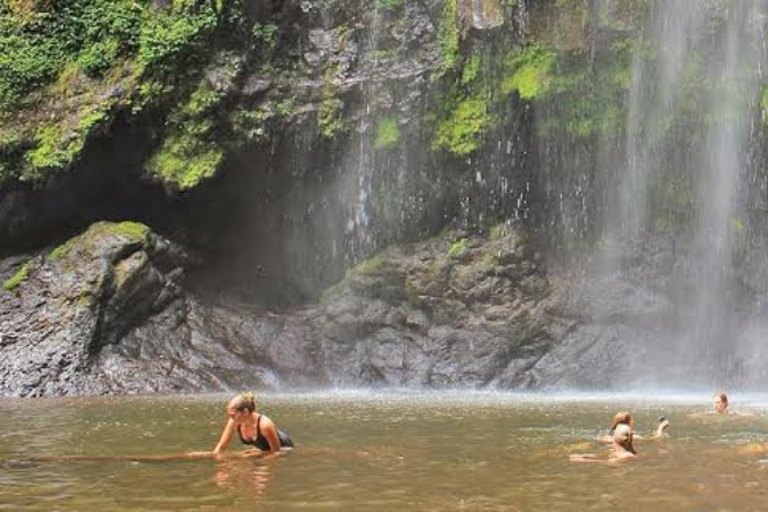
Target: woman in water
622, 448
252, 428
625, 418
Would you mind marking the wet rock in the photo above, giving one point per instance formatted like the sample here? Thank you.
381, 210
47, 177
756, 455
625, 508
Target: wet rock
423, 315
481, 14
194, 346
223, 71
62, 307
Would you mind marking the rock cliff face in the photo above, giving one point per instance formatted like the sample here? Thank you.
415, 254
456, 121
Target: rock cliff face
107, 313
377, 192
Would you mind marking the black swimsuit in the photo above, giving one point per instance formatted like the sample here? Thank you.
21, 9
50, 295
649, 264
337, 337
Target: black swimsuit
261, 442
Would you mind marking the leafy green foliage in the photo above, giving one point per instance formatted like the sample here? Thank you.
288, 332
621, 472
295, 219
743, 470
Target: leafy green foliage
466, 108
530, 71
169, 35
459, 132
38, 42
190, 152
329, 120
449, 35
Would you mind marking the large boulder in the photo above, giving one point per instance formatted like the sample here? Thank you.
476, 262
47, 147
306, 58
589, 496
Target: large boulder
60, 309
106, 313
458, 310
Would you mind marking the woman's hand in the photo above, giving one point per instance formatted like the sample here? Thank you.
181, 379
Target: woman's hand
661, 428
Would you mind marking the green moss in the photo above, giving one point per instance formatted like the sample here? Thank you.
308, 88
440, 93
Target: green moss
184, 159
264, 37
52, 150
201, 102
458, 248
68, 67
84, 299
764, 103
135, 231
287, 107
497, 231
168, 35
387, 133
329, 118
471, 69
371, 266
672, 203
391, 5
190, 151
250, 124
449, 36
19, 277
530, 72
585, 100
62, 250
459, 132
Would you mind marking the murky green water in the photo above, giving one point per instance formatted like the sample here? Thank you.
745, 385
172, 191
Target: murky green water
379, 452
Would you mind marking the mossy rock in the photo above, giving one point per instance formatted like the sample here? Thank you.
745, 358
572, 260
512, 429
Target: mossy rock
19, 277
102, 238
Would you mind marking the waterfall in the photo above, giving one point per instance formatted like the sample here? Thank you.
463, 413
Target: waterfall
679, 174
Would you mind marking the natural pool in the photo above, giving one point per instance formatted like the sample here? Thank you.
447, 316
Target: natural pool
382, 451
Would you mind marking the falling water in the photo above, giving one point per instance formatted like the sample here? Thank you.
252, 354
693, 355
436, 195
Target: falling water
687, 140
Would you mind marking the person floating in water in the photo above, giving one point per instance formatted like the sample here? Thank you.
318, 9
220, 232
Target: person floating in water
720, 405
625, 418
622, 447
253, 428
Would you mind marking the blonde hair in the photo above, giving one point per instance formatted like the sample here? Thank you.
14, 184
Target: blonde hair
723, 397
242, 402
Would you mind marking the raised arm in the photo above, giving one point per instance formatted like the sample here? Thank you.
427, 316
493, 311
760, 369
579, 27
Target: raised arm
660, 429
226, 437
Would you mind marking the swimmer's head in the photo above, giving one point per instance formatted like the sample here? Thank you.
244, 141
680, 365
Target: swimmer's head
622, 418
720, 401
622, 435
242, 402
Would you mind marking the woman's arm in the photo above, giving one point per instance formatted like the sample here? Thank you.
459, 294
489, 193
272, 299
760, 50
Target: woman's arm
226, 436
660, 429
586, 457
